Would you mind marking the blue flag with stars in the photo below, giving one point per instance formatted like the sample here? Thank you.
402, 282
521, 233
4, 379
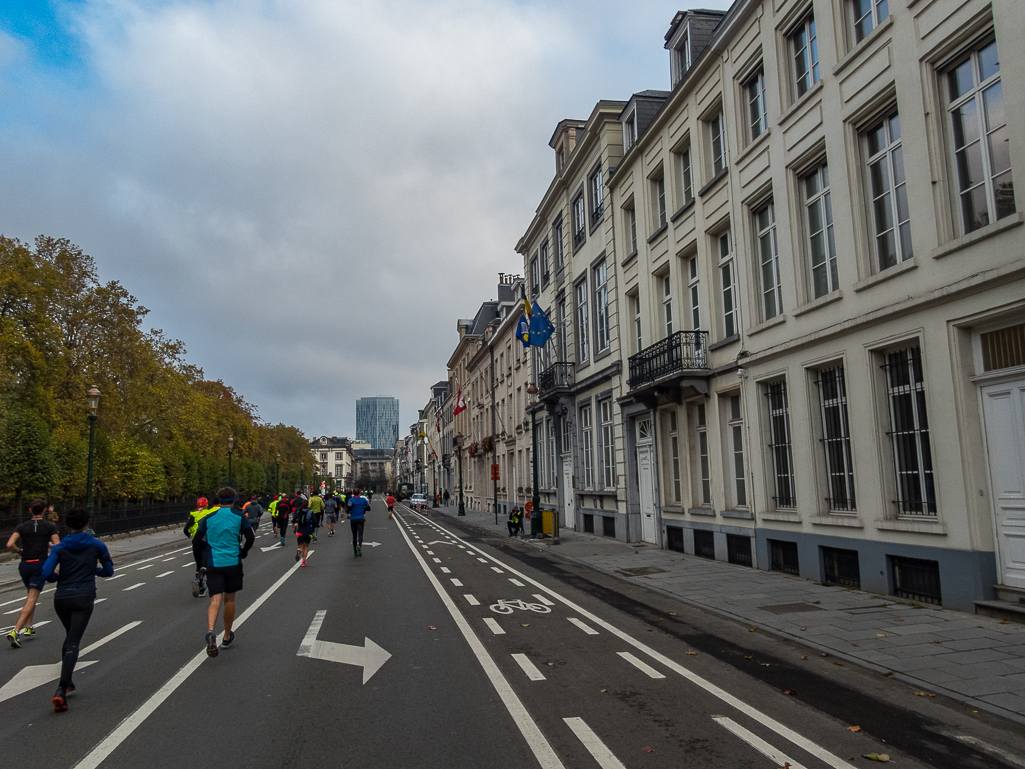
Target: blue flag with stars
541, 328
523, 332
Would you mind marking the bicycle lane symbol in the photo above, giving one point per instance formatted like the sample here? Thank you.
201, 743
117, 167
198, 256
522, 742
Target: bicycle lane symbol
504, 606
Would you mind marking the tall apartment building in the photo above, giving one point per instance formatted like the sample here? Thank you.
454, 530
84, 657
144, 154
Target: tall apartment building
377, 421
821, 294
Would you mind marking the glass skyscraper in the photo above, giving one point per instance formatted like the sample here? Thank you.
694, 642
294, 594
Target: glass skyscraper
377, 421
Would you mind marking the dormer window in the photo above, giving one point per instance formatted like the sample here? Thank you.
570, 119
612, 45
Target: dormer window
560, 159
681, 59
630, 130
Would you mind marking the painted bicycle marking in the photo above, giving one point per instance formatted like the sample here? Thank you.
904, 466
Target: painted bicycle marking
507, 607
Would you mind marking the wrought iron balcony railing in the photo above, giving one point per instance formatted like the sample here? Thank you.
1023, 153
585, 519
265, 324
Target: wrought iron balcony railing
676, 354
558, 376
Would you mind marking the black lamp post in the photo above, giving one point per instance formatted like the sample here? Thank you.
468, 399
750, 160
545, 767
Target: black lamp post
93, 398
459, 455
434, 479
231, 447
277, 474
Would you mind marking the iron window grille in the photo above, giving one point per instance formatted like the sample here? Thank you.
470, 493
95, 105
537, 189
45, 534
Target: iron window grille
608, 526
909, 433
841, 567
836, 439
779, 445
674, 538
588, 524
917, 579
784, 556
704, 544
738, 550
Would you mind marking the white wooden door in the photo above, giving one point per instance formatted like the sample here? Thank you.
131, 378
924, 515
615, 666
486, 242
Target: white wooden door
568, 494
1004, 410
646, 479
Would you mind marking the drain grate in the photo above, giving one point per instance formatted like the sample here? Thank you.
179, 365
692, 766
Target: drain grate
640, 571
790, 608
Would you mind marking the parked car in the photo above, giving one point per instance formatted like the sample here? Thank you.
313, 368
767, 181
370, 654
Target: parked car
419, 502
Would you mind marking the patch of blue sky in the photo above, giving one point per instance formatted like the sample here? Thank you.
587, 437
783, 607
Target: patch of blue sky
46, 29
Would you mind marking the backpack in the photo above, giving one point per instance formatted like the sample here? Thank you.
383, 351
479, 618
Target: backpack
309, 516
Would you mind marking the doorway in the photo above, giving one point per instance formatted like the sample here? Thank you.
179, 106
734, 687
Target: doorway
1003, 407
646, 479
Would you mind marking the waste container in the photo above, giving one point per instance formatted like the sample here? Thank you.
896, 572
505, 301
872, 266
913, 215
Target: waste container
548, 522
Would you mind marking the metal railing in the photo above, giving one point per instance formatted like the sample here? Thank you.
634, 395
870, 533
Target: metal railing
117, 519
676, 354
558, 376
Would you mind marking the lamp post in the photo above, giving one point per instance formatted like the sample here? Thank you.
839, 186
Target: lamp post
434, 477
93, 398
277, 474
459, 456
231, 447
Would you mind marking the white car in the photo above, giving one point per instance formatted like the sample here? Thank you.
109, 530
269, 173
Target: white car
418, 501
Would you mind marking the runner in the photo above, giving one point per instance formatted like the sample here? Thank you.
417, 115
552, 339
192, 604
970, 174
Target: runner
390, 501
36, 536
317, 508
191, 524
284, 511
74, 565
254, 511
220, 532
357, 517
331, 509
304, 522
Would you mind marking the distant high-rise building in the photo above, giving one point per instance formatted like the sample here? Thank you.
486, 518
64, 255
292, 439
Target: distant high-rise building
377, 421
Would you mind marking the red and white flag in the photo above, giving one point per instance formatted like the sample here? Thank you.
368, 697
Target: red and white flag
460, 403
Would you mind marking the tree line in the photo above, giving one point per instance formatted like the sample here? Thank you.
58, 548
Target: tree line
162, 429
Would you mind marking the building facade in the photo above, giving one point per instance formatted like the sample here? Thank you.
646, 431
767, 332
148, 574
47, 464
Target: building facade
377, 421
334, 459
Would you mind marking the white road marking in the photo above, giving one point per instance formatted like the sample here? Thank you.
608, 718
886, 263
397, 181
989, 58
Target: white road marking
186, 565
544, 600
15, 611
535, 739
594, 745
164, 574
110, 743
99, 600
138, 584
116, 576
516, 582
586, 628
493, 626
9, 628
430, 552
179, 550
146, 567
472, 600
145, 560
497, 570
48, 590
436, 560
765, 720
370, 656
16, 600
483, 560
456, 582
776, 756
528, 667
642, 666
167, 559
446, 570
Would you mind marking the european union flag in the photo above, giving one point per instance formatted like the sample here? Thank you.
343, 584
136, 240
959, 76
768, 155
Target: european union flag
523, 332
540, 327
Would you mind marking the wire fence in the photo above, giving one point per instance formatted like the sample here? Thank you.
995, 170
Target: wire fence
114, 520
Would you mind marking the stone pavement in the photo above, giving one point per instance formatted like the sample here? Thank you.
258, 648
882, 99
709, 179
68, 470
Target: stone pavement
977, 660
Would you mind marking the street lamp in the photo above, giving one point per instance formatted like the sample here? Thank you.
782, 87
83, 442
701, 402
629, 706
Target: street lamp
277, 474
231, 446
459, 455
93, 398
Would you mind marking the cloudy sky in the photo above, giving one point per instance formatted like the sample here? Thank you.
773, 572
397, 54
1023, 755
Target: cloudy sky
308, 193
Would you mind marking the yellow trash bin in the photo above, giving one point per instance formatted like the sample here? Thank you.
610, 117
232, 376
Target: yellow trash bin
548, 522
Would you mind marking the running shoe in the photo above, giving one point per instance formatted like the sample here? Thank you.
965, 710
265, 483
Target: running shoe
298, 554
330, 533
227, 640
60, 700
202, 590
195, 588
14, 639
28, 631
70, 687
211, 643
304, 563
359, 551
355, 552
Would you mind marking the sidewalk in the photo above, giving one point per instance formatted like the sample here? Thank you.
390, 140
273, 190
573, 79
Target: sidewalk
973, 659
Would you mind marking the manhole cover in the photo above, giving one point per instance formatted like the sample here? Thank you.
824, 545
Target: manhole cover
640, 571
790, 608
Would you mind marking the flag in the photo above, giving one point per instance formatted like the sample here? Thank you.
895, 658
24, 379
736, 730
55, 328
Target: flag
460, 403
541, 328
523, 331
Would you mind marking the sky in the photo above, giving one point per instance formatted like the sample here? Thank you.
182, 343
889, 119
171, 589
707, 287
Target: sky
307, 193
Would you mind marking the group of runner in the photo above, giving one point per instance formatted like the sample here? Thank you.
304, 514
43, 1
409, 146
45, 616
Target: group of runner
222, 536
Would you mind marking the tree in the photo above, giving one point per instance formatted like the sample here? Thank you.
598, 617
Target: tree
26, 459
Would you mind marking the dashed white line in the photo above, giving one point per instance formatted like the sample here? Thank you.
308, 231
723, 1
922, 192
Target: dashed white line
528, 667
138, 584
164, 574
116, 576
150, 566
516, 582
99, 600
544, 599
472, 600
483, 560
166, 560
436, 560
756, 742
456, 582
642, 666
493, 626
446, 570
586, 628
594, 745
497, 570
430, 552
186, 565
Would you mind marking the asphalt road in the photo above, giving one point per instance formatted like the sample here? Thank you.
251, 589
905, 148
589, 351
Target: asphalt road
441, 647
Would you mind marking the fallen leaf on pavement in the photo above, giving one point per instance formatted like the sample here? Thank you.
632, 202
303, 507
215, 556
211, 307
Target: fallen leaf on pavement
693, 654
672, 614
749, 657
898, 619
837, 663
431, 627
730, 603
853, 644
823, 654
804, 628
765, 664
648, 750
937, 642
751, 630
877, 757
816, 601
854, 728
1005, 622
789, 691
880, 635
804, 658
525, 625
924, 694
604, 690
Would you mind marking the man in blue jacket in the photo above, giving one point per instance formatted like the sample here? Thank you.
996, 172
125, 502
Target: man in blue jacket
74, 565
221, 531
358, 507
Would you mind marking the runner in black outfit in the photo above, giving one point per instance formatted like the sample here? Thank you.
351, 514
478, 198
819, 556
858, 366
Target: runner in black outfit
35, 537
80, 558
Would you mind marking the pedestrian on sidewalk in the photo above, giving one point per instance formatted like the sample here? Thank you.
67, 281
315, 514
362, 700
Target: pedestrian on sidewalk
74, 565
357, 518
445, 497
515, 522
191, 524
31, 540
221, 531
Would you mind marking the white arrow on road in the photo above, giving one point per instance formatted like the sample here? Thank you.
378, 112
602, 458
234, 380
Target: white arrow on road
371, 544
272, 547
37, 675
370, 656
441, 542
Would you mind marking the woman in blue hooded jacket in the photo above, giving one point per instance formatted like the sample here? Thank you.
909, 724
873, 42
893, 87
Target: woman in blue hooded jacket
74, 565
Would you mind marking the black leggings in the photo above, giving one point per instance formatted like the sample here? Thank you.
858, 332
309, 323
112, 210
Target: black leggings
74, 613
357, 531
197, 553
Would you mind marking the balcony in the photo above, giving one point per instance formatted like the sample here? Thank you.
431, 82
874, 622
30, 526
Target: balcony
679, 355
555, 379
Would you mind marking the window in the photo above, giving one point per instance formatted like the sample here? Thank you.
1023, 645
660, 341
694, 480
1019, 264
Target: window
566, 435
630, 131
601, 308
535, 277
545, 271
890, 214
674, 455
323, 456
909, 433
563, 319
738, 476
635, 302
867, 15
631, 230
338, 456
717, 132
339, 471
981, 151
768, 257
818, 208
550, 459
583, 346
597, 194
779, 445
681, 59
836, 439
608, 445
557, 242
757, 118
579, 219
586, 447
805, 47
730, 312
686, 178
667, 304
701, 470
692, 285
658, 200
